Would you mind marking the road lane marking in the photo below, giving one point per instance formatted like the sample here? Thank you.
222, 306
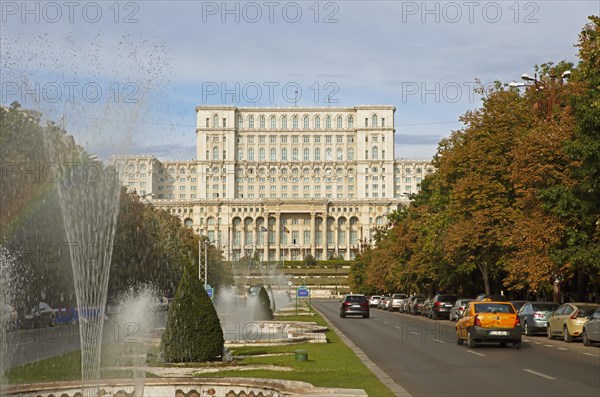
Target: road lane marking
561, 348
538, 374
395, 326
412, 333
590, 354
438, 341
385, 322
548, 345
478, 354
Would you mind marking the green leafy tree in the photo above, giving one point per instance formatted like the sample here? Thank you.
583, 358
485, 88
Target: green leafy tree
193, 332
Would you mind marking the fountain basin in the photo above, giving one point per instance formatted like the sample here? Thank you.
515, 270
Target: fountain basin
275, 332
190, 387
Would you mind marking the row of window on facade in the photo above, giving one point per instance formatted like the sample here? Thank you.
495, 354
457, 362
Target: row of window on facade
295, 154
251, 196
283, 122
262, 139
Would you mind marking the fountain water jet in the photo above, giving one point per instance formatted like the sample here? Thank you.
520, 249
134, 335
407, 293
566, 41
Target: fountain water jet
7, 262
89, 197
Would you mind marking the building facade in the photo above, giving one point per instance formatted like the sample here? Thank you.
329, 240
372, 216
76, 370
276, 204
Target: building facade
283, 182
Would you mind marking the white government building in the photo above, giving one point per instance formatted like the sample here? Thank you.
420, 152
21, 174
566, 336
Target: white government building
283, 182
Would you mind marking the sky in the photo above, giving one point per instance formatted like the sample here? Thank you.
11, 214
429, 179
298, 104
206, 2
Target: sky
124, 77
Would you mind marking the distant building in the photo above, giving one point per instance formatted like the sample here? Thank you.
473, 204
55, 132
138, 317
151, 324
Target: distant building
284, 182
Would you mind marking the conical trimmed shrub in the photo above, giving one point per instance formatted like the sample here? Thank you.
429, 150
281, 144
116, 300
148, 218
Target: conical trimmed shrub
193, 332
263, 306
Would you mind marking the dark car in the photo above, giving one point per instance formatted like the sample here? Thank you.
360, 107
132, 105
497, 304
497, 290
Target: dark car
41, 315
354, 305
534, 316
440, 306
591, 329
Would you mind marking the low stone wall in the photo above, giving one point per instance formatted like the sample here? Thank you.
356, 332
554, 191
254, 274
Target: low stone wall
192, 387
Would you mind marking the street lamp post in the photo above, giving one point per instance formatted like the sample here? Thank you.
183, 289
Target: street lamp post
539, 85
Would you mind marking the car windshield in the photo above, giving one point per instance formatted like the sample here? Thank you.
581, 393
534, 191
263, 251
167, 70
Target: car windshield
420, 300
586, 311
375, 297
356, 299
494, 308
544, 307
399, 296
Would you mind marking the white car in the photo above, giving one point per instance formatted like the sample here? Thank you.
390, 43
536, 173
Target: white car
395, 301
374, 301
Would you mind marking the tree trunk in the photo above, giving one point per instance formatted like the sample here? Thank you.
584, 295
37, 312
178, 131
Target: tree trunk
486, 277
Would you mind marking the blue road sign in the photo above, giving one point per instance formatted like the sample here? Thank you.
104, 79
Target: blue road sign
302, 293
209, 291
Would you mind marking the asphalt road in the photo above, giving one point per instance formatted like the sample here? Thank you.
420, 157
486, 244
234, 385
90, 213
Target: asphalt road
422, 356
29, 345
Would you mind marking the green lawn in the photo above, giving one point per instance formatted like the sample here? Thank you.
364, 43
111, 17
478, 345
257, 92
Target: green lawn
330, 364
64, 367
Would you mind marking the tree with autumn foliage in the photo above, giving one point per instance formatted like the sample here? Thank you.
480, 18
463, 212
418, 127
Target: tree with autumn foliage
515, 201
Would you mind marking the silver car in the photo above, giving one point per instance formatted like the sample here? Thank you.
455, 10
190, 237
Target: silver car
534, 316
458, 308
591, 329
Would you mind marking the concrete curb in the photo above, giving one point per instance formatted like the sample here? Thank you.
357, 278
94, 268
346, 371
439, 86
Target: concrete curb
380, 374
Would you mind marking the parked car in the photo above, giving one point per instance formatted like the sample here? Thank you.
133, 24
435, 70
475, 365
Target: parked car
354, 305
489, 321
591, 329
425, 307
567, 321
41, 315
416, 305
457, 309
440, 306
534, 316
395, 301
374, 301
408, 306
384, 302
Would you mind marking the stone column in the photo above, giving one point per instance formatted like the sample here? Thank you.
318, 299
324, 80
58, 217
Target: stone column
265, 239
325, 250
243, 238
348, 231
277, 236
313, 233
336, 231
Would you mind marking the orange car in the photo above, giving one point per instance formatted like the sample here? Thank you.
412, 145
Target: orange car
489, 321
